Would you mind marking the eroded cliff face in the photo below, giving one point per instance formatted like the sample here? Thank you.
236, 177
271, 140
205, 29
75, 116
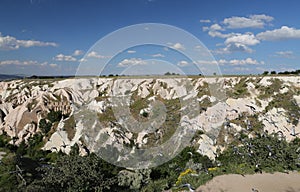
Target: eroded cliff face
252, 105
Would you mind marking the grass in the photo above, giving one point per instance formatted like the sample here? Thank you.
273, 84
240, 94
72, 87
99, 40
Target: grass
137, 104
287, 102
107, 116
239, 90
268, 91
69, 127
170, 125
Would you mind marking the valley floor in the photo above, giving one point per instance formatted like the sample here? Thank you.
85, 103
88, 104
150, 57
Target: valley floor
265, 182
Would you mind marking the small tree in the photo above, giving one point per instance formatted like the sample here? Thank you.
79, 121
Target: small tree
54, 116
76, 173
265, 72
45, 126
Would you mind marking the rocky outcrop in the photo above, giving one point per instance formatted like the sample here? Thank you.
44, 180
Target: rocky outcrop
249, 104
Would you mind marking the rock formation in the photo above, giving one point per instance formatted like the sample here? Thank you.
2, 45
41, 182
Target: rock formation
247, 104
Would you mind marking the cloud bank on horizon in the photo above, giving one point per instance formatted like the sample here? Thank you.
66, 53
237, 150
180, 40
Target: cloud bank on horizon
244, 38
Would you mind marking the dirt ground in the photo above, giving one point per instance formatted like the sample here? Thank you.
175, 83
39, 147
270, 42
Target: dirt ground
265, 182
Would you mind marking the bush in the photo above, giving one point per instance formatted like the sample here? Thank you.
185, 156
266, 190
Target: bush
54, 116
45, 126
76, 173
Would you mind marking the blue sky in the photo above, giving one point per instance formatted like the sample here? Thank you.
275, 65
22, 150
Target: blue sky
52, 37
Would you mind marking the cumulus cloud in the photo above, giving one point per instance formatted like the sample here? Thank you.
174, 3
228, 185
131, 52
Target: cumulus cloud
82, 60
206, 62
239, 43
233, 47
94, 54
78, 52
262, 17
205, 21
131, 51
216, 27
285, 54
132, 61
219, 34
18, 62
158, 55
214, 31
53, 65
234, 62
25, 63
182, 63
62, 57
283, 33
177, 46
245, 39
11, 43
241, 69
253, 21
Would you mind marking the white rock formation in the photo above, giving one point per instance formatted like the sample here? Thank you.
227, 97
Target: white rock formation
24, 103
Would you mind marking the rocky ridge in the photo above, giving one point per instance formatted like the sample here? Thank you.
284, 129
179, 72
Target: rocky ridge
251, 105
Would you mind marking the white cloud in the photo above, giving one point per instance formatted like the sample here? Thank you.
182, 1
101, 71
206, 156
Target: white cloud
78, 52
26, 63
219, 34
234, 62
158, 55
253, 21
214, 31
61, 57
44, 64
242, 69
205, 21
177, 46
94, 54
262, 17
205, 62
131, 51
279, 34
11, 43
18, 62
182, 63
285, 54
82, 60
216, 27
53, 65
237, 42
245, 39
233, 47
213, 27
132, 61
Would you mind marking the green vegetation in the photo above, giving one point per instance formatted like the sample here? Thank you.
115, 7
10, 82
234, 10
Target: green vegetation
281, 100
107, 116
268, 91
76, 173
54, 116
296, 72
46, 124
43, 170
239, 90
264, 152
69, 127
